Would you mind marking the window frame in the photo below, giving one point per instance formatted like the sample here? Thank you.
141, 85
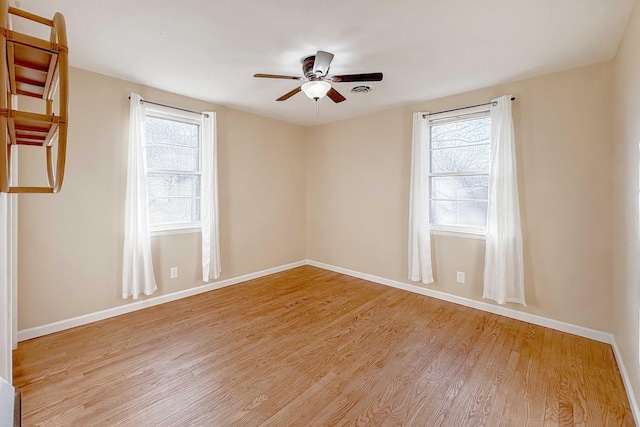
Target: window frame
177, 115
454, 230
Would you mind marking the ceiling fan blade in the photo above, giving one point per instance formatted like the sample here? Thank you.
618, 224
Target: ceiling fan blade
322, 63
366, 77
335, 96
289, 94
276, 76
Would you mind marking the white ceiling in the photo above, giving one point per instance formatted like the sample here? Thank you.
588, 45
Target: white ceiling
426, 48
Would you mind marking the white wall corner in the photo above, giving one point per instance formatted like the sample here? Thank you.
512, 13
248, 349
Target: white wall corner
626, 380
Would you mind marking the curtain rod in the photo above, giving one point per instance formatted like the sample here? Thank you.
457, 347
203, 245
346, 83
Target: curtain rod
494, 103
142, 101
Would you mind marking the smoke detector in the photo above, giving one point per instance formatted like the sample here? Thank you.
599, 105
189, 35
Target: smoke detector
361, 89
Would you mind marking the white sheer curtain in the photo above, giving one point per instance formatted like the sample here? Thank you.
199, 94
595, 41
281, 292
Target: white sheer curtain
137, 267
503, 268
420, 269
209, 199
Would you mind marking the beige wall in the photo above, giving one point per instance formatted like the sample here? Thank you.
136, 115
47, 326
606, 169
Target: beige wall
335, 193
626, 253
70, 244
338, 194
358, 193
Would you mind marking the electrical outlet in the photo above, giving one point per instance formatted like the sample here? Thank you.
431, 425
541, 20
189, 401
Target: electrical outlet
460, 276
174, 272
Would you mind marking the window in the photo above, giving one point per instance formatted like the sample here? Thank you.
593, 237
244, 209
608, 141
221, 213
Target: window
459, 172
173, 168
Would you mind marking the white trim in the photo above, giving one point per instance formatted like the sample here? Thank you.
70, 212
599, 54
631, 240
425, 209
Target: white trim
38, 331
6, 298
13, 271
451, 117
61, 325
460, 114
456, 233
172, 113
8, 278
626, 380
7, 402
558, 325
582, 331
167, 113
168, 232
13, 250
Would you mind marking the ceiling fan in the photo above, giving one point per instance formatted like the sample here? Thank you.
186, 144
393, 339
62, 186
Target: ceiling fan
315, 69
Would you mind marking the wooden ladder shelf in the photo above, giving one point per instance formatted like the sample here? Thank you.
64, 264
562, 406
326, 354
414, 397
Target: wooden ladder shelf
33, 67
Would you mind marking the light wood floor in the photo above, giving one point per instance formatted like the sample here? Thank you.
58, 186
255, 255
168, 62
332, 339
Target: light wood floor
311, 347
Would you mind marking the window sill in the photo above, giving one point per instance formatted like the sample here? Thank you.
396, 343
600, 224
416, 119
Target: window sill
171, 231
464, 234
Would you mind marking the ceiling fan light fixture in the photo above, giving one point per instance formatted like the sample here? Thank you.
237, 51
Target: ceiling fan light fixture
316, 89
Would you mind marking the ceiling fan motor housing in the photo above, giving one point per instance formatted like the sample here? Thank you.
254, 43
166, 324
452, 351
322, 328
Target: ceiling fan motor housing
307, 68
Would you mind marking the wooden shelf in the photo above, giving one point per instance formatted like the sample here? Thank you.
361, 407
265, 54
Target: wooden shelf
31, 128
33, 67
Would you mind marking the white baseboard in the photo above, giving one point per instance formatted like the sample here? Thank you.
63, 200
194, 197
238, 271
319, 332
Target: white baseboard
27, 334
61, 325
480, 305
581, 331
49, 328
627, 381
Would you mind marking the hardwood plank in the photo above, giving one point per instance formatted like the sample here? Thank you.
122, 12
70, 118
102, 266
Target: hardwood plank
553, 396
523, 405
420, 358
313, 347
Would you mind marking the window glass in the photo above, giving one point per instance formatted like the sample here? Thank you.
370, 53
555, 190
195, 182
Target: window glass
171, 131
460, 187
173, 161
461, 132
173, 158
459, 173
461, 159
173, 185
173, 211
456, 213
